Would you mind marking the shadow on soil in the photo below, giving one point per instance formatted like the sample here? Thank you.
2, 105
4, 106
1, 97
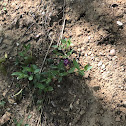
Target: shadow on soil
72, 103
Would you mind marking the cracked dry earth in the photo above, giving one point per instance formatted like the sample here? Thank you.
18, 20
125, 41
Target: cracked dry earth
97, 29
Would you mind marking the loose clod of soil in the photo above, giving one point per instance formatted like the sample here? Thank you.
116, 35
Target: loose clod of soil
97, 29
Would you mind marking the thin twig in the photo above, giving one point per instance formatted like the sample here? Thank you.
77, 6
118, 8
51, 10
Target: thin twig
46, 56
61, 35
28, 28
39, 118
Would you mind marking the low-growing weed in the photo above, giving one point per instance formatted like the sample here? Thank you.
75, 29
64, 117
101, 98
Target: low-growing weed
56, 70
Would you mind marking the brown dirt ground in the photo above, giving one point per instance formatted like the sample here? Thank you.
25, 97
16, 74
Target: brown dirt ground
99, 98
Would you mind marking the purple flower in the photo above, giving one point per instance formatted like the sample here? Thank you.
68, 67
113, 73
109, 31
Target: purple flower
29, 73
66, 62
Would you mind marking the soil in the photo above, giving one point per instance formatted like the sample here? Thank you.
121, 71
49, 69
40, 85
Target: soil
97, 29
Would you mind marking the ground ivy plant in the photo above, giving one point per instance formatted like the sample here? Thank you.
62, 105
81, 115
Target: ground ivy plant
56, 70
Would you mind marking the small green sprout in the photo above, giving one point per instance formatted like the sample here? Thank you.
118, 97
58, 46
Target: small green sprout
54, 72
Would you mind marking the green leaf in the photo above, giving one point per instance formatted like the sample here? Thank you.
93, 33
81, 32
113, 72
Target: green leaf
69, 41
19, 123
2, 60
34, 67
60, 79
63, 74
36, 71
57, 53
30, 78
27, 69
55, 46
63, 41
2, 103
87, 67
54, 72
39, 107
40, 86
37, 76
61, 65
27, 47
45, 73
26, 124
48, 80
71, 70
29, 116
22, 76
53, 67
81, 72
60, 48
21, 54
50, 61
65, 56
17, 61
49, 88
68, 44
16, 74
70, 52
76, 64
4, 8
43, 80
26, 57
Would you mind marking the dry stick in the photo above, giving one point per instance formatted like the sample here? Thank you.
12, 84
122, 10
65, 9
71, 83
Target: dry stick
61, 35
48, 52
46, 56
28, 28
52, 39
41, 71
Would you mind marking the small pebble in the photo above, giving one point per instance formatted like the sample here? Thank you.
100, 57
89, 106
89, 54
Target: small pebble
71, 106
89, 53
104, 69
71, 44
17, 44
82, 48
38, 35
103, 66
78, 49
100, 63
102, 72
89, 37
86, 55
112, 52
43, 13
122, 88
92, 55
58, 86
119, 23
92, 58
